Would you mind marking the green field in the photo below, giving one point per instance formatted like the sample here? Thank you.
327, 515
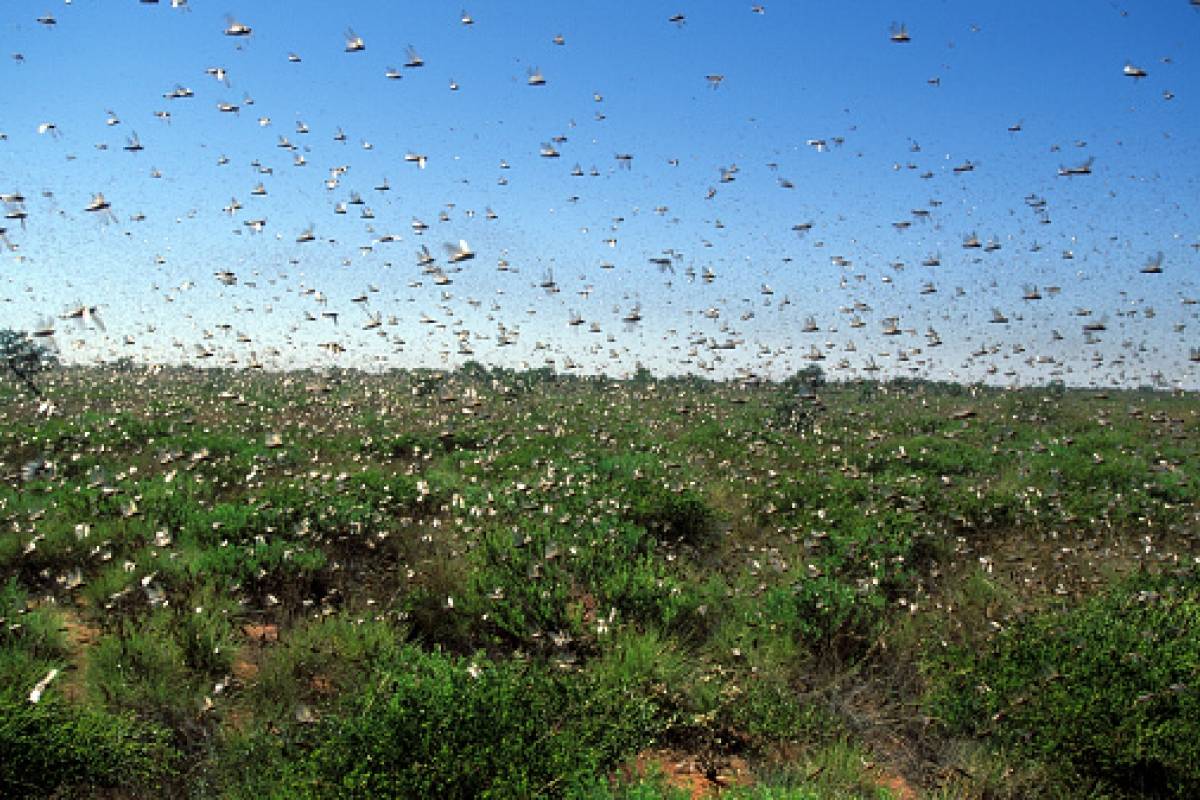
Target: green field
502, 584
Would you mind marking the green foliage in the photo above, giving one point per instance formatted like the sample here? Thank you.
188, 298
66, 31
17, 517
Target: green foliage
666, 563
768, 711
319, 662
549, 578
23, 358
54, 750
438, 726
26, 635
795, 414
161, 667
676, 513
809, 377
822, 612
1108, 690
204, 629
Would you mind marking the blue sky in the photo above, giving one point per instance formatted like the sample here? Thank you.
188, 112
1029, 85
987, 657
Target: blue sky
798, 72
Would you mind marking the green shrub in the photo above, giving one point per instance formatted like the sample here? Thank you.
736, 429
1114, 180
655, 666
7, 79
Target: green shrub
50, 749
327, 657
204, 630
675, 513
1109, 691
154, 667
438, 726
33, 634
544, 573
768, 710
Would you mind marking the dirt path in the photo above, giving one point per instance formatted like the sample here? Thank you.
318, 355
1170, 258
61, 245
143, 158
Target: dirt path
80, 638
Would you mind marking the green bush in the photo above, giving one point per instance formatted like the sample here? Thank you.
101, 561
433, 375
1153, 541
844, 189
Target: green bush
439, 726
1109, 691
24, 633
768, 710
157, 666
49, 749
676, 513
544, 573
329, 656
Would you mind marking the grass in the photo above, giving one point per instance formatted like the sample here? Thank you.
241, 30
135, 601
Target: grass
56, 747
489, 583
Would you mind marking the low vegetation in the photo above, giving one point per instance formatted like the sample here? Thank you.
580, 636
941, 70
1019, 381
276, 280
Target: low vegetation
499, 584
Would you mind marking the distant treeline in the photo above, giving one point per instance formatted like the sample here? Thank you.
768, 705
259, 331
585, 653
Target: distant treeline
806, 380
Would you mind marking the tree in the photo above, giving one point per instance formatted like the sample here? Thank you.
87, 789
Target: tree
811, 377
23, 357
473, 369
642, 376
124, 364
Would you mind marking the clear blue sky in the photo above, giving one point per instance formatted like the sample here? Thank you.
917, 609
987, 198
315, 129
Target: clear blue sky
905, 114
